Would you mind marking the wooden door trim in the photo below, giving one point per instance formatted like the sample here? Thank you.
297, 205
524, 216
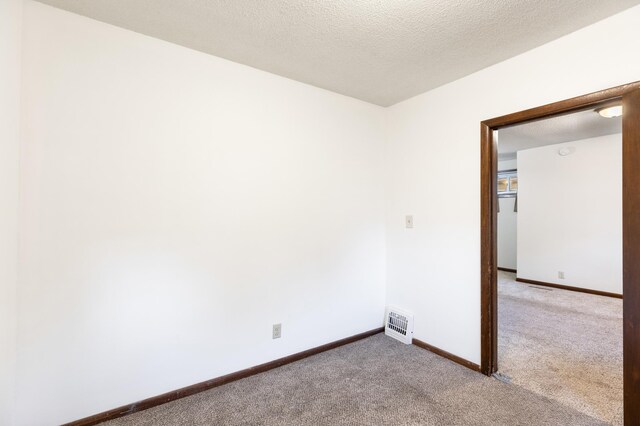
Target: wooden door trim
628, 94
631, 254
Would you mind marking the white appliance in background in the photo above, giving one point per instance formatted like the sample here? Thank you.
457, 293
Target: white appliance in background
398, 324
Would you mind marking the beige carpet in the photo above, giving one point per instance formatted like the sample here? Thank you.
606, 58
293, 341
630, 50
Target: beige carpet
562, 344
376, 381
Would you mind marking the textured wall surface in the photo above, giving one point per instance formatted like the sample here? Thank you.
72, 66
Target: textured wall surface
10, 50
507, 225
379, 51
433, 164
570, 214
174, 207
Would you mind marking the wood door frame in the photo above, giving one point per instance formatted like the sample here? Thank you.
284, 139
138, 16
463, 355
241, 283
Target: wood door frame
629, 95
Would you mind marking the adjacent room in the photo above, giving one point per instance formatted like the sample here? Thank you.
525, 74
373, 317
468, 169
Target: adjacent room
279, 212
560, 259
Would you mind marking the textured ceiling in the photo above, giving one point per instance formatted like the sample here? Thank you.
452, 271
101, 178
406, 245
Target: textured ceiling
564, 128
380, 51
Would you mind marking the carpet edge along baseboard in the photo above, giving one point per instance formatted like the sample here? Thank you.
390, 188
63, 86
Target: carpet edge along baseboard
570, 288
441, 352
218, 381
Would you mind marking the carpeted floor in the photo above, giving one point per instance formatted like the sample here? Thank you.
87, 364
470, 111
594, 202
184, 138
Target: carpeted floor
562, 344
376, 381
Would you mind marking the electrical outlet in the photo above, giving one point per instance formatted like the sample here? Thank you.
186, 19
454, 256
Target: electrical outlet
277, 331
408, 221
561, 275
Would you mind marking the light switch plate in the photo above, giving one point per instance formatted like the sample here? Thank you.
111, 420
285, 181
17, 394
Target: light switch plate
277, 331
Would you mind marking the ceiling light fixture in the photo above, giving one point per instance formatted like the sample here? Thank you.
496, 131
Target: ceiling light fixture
610, 111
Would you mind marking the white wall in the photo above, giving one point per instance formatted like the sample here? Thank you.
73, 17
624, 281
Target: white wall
507, 225
434, 269
175, 206
10, 49
570, 214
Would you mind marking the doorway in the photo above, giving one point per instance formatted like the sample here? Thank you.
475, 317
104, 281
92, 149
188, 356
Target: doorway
560, 260
629, 97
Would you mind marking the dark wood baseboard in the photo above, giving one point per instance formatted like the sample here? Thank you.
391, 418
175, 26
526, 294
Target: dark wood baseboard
567, 287
218, 381
500, 268
455, 358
